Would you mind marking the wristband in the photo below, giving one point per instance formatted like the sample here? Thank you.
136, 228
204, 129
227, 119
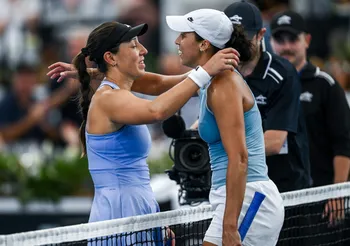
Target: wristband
200, 76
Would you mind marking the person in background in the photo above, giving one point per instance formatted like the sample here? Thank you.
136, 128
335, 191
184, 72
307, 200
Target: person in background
325, 108
23, 117
276, 87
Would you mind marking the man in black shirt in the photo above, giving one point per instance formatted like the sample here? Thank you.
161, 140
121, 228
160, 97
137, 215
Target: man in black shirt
327, 117
276, 87
324, 103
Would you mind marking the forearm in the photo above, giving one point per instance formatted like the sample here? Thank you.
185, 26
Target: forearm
195, 125
63, 93
341, 165
149, 84
50, 131
156, 84
270, 146
168, 103
235, 188
274, 140
15, 131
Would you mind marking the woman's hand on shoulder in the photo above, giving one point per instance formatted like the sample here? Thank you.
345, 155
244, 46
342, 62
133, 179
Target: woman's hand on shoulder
226, 59
224, 81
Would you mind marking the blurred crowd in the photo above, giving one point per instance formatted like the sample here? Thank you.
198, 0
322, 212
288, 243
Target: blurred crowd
36, 33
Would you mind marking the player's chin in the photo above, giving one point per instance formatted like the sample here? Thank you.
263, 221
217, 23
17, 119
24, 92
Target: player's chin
140, 72
184, 62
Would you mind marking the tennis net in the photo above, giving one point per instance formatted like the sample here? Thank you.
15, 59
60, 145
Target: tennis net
316, 216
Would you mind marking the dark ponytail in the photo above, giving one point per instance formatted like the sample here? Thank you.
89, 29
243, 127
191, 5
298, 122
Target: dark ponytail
92, 50
85, 94
240, 42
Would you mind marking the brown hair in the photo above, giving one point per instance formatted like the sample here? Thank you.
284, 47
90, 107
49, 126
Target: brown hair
241, 43
238, 41
94, 42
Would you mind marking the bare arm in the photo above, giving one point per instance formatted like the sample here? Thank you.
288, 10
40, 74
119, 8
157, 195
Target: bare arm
16, 130
224, 96
194, 125
63, 93
150, 83
274, 140
156, 84
123, 107
341, 166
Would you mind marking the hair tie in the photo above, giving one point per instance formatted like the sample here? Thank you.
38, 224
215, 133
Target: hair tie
85, 51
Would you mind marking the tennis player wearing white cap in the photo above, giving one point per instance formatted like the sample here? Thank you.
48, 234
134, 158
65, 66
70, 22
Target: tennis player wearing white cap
230, 122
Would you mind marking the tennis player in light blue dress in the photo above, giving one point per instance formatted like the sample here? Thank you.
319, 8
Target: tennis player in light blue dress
118, 167
248, 208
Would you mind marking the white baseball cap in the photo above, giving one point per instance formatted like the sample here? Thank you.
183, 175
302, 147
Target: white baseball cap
210, 24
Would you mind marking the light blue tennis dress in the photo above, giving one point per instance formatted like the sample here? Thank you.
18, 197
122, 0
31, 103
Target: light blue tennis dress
117, 164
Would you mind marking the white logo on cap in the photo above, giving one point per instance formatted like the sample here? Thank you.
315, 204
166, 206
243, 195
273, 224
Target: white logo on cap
284, 19
236, 19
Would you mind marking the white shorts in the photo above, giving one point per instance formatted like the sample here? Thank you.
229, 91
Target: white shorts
268, 221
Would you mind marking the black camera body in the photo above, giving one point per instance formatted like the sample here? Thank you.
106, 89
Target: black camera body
191, 169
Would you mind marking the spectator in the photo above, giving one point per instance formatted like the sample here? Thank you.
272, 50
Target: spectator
325, 107
22, 119
19, 21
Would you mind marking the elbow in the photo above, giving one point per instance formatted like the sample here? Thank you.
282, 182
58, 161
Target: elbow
243, 158
158, 113
274, 150
160, 116
241, 162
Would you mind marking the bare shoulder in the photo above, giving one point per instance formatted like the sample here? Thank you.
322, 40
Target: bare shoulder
111, 97
225, 80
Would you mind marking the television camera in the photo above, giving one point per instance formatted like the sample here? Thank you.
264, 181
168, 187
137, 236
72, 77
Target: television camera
191, 169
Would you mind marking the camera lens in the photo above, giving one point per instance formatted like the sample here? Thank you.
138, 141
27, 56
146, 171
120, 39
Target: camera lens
194, 156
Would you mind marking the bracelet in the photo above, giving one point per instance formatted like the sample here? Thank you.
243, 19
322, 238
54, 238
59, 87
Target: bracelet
200, 76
